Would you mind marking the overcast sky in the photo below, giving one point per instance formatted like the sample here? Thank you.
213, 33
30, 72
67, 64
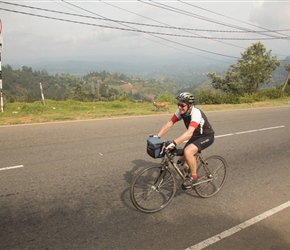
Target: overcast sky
89, 35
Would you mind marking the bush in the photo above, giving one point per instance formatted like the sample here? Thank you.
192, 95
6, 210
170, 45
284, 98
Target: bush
271, 93
166, 97
213, 97
231, 99
286, 91
210, 97
247, 99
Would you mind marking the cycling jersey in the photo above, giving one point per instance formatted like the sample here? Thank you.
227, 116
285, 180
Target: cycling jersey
195, 118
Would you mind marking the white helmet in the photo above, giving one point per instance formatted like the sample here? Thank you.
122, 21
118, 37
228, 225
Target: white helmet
186, 97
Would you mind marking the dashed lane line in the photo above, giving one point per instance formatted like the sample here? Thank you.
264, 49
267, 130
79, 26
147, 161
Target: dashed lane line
250, 131
13, 167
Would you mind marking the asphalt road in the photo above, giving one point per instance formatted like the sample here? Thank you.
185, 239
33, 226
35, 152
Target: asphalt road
70, 185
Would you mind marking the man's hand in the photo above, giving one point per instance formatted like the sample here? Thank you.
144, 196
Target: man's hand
170, 146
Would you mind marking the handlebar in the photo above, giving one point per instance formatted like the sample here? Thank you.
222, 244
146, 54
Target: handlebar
175, 152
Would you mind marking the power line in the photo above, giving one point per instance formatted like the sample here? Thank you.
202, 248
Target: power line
104, 26
262, 31
130, 29
166, 7
103, 18
168, 26
183, 12
143, 31
173, 41
150, 25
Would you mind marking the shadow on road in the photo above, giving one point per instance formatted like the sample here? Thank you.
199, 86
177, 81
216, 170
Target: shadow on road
139, 165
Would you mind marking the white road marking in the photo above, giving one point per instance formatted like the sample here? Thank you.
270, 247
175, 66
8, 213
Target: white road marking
7, 168
245, 132
272, 128
239, 227
250, 131
218, 136
247, 223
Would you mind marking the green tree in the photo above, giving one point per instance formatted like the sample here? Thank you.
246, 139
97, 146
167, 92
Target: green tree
79, 94
251, 71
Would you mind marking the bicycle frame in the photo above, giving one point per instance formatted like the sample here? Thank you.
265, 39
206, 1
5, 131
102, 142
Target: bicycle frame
165, 163
170, 158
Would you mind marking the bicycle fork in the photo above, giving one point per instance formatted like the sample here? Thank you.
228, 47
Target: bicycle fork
158, 183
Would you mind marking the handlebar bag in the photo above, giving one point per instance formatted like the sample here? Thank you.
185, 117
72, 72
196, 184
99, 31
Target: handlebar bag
154, 147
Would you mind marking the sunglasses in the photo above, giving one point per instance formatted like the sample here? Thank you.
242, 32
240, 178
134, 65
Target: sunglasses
181, 105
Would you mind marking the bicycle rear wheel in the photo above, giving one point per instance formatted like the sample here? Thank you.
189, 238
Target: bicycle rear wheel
212, 176
153, 189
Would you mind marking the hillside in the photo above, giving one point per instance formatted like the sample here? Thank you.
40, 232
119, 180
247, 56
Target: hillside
23, 84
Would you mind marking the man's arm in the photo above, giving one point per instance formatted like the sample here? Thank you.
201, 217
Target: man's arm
185, 136
165, 128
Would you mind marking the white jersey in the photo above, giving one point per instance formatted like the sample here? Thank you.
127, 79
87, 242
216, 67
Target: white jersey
195, 118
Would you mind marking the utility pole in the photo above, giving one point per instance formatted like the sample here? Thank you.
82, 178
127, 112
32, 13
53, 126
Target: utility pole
41, 92
1, 44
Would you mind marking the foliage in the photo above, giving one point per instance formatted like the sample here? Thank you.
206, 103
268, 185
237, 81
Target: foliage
23, 85
211, 97
216, 97
165, 97
251, 71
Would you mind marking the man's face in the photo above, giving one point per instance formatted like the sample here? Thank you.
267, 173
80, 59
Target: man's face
183, 107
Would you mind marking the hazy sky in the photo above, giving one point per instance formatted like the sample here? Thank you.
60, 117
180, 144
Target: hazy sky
192, 29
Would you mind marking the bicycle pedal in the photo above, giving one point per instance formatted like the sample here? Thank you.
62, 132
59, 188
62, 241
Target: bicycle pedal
195, 184
186, 188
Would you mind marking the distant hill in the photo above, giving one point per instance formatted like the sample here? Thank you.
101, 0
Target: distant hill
94, 80
145, 68
184, 72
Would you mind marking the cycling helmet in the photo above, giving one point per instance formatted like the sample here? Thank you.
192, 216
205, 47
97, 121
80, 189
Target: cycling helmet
186, 97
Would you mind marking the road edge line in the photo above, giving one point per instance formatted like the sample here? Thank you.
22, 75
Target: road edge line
239, 227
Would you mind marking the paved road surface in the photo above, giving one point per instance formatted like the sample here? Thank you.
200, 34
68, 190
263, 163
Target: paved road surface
70, 189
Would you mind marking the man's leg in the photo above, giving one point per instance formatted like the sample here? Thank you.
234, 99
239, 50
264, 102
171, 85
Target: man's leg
189, 153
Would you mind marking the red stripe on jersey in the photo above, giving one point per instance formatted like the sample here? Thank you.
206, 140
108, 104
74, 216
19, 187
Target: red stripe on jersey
193, 124
174, 119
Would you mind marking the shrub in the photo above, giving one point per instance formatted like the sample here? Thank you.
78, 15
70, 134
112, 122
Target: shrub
166, 97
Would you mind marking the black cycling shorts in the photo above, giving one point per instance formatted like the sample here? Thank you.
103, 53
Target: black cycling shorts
202, 142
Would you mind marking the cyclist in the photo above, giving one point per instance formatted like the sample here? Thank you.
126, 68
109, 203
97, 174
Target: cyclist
199, 134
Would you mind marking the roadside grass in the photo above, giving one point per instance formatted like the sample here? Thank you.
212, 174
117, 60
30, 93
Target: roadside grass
22, 113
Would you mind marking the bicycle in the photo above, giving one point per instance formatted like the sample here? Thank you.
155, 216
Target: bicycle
155, 186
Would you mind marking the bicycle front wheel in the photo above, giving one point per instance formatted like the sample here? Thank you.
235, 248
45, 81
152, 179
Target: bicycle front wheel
211, 176
153, 189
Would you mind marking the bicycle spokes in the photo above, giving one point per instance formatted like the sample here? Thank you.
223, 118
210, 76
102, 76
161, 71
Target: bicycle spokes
153, 189
212, 173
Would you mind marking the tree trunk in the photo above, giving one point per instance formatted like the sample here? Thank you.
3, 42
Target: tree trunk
286, 81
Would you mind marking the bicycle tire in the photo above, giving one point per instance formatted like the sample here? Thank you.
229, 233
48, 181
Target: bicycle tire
217, 167
150, 191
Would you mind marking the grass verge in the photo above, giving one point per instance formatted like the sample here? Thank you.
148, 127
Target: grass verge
21, 113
